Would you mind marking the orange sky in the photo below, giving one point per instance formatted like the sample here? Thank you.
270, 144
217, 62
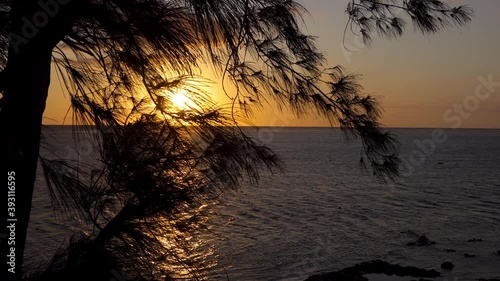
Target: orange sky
423, 81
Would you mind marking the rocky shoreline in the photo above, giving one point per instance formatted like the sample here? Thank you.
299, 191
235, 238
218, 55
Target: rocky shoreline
356, 272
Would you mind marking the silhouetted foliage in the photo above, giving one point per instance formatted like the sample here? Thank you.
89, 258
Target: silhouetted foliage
121, 63
387, 17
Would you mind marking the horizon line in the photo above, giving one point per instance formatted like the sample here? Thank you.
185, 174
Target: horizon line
324, 127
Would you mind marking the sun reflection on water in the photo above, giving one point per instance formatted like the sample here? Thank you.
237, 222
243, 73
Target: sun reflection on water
188, 254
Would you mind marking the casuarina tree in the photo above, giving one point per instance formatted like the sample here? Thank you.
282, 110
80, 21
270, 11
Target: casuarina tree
122, 62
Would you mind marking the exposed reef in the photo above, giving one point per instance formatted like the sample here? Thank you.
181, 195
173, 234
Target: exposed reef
356, 272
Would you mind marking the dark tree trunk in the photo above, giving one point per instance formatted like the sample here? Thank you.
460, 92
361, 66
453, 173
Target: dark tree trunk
20, 121
24, 83
20, 124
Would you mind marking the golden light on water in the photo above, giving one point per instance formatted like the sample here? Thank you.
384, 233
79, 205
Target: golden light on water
189, 254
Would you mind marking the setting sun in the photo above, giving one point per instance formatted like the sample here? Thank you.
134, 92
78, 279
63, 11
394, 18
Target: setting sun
182, 102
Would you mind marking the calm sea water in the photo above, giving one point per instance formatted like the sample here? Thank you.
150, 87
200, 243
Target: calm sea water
324, 214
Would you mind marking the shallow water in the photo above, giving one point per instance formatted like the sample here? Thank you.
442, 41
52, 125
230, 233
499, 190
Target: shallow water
324, 214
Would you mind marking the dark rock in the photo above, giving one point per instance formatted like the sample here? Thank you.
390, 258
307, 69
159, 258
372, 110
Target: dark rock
450, 250
357, 271
447, 265
422, 241
498, 253
482, 279
469, 255
338, 276
475, 240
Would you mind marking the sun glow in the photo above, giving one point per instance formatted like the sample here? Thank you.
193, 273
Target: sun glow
182, 102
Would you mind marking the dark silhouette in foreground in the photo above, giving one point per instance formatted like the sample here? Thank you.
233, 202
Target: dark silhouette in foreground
356, 272
121, 63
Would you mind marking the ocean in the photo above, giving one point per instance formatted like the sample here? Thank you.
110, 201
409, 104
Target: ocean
324, 213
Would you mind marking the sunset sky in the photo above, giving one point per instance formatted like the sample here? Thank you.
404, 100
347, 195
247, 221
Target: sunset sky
421, 80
